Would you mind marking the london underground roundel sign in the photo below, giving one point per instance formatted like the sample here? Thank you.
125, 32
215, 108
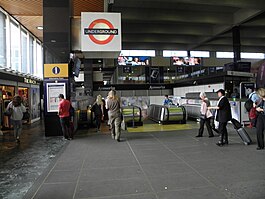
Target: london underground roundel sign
101, 31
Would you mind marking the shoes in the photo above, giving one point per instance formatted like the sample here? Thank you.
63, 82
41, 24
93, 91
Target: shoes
118, 140
220, 144
198, 136
18, 140
250, 126
210, 136
260, 148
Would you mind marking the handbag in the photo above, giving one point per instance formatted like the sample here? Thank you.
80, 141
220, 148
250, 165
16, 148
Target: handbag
202, 116
26, 116
123, 125
8, 112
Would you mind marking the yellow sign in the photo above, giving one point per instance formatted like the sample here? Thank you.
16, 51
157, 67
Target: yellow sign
55, 70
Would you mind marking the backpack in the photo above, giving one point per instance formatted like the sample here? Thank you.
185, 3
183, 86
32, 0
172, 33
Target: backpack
71, 111
249, 104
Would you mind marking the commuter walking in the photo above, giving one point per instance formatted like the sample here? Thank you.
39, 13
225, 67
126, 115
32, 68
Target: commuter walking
64, 108
261, 119
254, 97
16, 109
223, 116
97, 108
205, 117
113, 104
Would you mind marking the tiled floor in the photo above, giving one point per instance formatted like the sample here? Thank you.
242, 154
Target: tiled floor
152, 165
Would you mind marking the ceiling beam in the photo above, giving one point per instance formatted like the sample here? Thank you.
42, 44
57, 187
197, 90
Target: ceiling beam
185, 16
239, 18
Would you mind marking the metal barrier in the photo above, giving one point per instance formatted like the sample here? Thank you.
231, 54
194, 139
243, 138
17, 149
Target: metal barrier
193, 110
132, 115
167, 114
84, 117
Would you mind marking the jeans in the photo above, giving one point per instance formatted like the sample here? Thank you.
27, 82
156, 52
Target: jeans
65, 124
116, 128
98, 121
17, 124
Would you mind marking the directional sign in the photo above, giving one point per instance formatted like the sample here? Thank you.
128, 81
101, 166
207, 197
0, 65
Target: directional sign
55, 70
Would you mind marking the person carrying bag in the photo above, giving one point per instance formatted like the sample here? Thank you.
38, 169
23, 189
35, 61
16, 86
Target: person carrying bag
16, 110
205, 117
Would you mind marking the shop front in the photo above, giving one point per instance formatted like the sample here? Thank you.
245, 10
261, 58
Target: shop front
28, 89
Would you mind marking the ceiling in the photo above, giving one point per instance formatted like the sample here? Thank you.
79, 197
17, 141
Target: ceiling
191, 24
30, 12
167, 24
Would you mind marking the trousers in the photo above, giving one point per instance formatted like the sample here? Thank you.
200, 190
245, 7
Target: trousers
260, 130
208, 125
17, 124
223, 131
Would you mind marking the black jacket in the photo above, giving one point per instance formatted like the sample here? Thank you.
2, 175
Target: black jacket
224, 111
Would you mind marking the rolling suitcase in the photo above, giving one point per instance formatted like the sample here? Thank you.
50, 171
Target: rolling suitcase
241, 132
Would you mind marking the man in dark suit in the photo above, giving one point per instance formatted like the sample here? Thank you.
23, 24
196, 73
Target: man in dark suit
223, 116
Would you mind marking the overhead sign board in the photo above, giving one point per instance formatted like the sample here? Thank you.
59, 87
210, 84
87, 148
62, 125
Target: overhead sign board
55, 70
100, 32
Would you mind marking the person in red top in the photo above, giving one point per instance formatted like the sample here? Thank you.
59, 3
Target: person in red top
64, 107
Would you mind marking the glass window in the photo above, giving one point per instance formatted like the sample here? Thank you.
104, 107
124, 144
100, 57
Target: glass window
2, 39
31, 54
15, 46
224, 55
252, 55
199, 53
175, 53
39, 66
24, 51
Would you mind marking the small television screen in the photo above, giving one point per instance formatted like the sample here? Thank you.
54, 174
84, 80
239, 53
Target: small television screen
186, 61
134, 61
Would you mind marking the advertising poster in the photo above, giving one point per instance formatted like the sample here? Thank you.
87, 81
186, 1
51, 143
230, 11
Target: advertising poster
261, 76
53, 91
246, 88
35, 103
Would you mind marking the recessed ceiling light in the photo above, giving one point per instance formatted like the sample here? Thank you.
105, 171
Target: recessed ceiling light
39, 27
53, 40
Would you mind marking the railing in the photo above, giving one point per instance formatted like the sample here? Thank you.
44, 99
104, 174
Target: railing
167, 114
132, 115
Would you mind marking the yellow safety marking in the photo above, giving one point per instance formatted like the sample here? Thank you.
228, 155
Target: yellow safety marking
159, 128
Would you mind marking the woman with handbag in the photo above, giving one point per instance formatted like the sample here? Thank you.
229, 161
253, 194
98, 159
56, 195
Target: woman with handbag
16, 110
113, 104
205, 116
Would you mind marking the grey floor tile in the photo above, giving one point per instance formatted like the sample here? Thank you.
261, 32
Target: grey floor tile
130, 196
252, 189
110, 174
62, 176
112, 188
225, 176
68, 166
153, 170
158, 159
151, 152
193, 193
50, 191
178, 181
111, 162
